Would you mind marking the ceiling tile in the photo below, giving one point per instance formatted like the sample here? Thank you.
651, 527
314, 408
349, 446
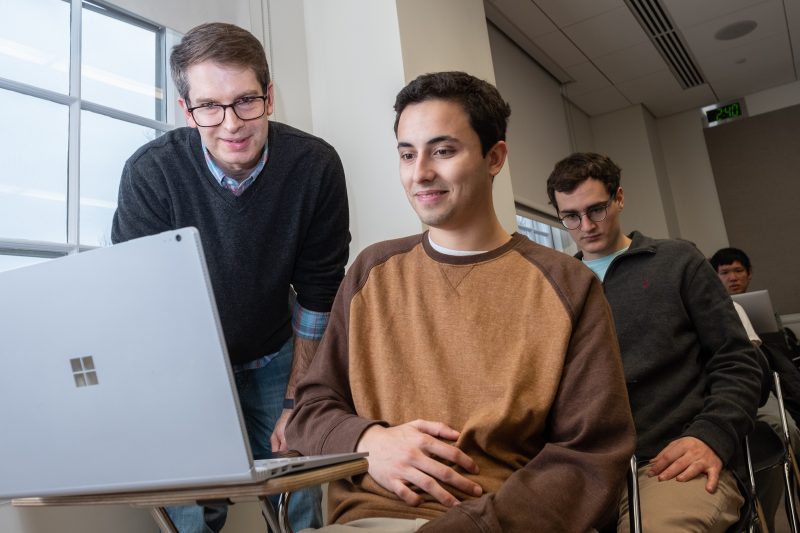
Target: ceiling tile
587, 79
601, 101
569, 12
526, 16
751, 78
661, 82
687, 14
560, 49
701, 39
631, 62
606, 33
662, 95
770, 53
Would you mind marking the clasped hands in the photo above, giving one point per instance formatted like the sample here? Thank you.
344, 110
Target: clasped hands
411, 454
685, 459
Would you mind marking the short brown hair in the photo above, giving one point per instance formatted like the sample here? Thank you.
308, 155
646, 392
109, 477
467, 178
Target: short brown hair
221, 43
573, 170
487, 111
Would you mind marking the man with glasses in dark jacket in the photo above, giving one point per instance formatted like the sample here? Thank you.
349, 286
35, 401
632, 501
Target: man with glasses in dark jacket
692, 374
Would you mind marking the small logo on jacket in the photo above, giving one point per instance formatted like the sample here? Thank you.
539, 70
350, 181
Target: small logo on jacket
645, 283
83, 371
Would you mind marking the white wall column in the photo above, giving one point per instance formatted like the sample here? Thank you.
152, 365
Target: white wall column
629, 140
359, 54
453, 35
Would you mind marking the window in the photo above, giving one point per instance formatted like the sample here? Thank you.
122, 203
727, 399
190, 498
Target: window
83, 85
541, 229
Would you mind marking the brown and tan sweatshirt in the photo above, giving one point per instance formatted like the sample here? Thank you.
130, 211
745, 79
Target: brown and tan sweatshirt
515, 348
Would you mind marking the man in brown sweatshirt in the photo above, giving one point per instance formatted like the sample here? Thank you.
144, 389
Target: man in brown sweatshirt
480, 370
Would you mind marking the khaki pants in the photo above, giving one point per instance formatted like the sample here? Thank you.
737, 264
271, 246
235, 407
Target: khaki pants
683, 507
376, 525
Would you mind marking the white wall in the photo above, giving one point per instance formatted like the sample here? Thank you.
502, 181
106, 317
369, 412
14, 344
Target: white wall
692, 181
355, 69
452, 35
772, 99
623, 136
286, 38
580, 129
699, 214
538, 135
182, 15
659, 166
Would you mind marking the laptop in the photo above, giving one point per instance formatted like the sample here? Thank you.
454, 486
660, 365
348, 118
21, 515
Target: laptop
115, 376
758, 306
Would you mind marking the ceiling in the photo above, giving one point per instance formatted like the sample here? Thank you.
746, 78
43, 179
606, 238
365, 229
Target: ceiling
607, 60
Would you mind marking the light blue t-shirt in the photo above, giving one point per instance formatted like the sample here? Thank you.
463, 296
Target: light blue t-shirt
600, 266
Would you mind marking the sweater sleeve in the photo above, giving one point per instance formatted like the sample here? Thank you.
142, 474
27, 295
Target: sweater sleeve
324, 419
140, 210
731, 363
321, 259
573, 482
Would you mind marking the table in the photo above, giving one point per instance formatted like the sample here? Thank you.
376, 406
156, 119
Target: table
158, 499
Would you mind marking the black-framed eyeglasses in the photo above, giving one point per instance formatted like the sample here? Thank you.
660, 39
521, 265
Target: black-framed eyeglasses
247, 108
597, 213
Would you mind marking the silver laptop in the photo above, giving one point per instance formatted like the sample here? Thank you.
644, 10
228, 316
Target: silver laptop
758, 306
115, 376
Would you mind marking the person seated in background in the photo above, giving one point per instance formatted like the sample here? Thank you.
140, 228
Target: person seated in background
693, 377
733, 268
479, 370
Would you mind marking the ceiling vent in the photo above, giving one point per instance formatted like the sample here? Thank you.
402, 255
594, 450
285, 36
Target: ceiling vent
657, 24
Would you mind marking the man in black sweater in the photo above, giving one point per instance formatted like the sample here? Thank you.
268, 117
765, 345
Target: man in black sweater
271, 206
692, 374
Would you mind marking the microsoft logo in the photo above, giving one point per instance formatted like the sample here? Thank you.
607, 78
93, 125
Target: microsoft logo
83, 371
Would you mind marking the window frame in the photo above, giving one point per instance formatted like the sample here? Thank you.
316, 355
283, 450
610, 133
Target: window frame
535, 215
167, 110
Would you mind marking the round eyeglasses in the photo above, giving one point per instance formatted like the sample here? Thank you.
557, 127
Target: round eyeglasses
247, 108
596, 213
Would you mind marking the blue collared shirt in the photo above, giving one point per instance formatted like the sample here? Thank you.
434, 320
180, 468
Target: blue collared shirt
227, 182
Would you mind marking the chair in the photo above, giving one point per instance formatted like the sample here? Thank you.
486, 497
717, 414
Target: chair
767, 450
752, 514
634, 505
791, 475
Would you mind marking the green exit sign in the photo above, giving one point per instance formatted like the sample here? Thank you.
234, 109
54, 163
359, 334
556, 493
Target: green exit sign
714, 115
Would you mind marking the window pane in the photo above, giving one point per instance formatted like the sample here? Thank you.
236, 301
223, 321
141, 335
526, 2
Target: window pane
101, 166
33, 183
8, 262
547, 235
118, 66
34, 43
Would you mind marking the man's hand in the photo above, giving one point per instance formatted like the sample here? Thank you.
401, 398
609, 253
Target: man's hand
278, 439
407, 455
685, 459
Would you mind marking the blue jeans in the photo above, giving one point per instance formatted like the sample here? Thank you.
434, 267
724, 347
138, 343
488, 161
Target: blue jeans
261, 397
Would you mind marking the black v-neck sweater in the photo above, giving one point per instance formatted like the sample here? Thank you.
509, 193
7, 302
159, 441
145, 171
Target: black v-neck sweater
290, 227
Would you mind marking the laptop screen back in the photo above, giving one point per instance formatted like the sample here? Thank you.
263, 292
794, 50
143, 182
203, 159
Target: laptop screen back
758, 306
115, 373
